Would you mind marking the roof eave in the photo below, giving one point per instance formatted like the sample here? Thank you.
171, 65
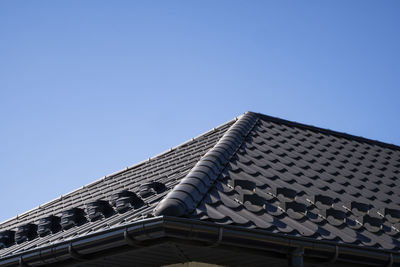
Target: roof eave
145, 232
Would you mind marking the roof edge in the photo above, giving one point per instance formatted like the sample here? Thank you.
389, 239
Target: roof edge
328, 131
184, 198
137, 233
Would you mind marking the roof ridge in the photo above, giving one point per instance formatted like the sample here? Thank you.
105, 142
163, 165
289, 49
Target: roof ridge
185, 196
328, 131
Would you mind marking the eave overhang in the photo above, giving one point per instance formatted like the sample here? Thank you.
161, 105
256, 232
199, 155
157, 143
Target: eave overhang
145, 233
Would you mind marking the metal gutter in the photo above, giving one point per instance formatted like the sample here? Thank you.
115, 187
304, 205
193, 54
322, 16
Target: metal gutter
147, 232
327, 251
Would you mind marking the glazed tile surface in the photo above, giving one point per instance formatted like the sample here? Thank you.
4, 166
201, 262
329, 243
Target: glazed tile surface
297, 181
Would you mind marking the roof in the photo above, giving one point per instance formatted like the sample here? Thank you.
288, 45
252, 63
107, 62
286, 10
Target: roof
276, 179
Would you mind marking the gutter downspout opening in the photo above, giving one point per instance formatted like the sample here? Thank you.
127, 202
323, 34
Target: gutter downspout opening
336, 256
22, 263
296, 257
129, 240
74, 254
390, 263
220, 235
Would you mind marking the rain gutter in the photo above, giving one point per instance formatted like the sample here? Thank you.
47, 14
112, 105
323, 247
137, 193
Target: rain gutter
147, 232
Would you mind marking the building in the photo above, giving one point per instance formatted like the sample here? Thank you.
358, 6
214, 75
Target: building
255, 191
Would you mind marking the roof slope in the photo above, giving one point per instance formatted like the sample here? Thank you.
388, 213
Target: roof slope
300, 181
167, 168
258, 172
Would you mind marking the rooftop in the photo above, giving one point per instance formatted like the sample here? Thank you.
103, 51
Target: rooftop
263, 176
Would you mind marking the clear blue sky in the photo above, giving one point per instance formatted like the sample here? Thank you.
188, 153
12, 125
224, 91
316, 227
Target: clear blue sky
90, 87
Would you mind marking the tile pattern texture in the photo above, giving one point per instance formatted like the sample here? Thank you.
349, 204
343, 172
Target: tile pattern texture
166, 169
296, 180
258, 172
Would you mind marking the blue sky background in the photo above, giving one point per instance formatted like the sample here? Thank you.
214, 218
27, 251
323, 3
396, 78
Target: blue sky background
90, 87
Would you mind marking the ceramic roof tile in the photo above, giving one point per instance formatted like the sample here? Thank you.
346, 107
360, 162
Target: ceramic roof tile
324, 185
167, 168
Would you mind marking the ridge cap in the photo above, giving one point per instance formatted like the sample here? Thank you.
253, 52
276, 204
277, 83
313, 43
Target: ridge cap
185, 196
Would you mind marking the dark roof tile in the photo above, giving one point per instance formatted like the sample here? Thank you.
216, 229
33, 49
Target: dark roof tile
167, 169
324, 169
